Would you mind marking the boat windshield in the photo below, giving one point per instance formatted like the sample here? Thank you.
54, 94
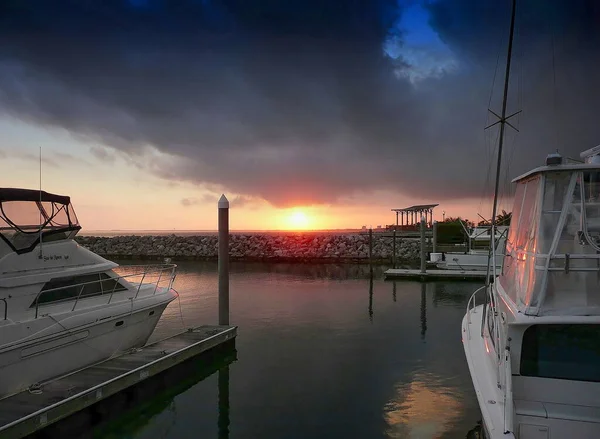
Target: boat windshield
552, 265
26, 216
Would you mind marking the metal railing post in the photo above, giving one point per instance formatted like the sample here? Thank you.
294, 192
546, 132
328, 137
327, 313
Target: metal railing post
157, 282
79, 295
140, 286
114, 288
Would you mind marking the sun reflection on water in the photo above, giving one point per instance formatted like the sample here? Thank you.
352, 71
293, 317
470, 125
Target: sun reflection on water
423, 408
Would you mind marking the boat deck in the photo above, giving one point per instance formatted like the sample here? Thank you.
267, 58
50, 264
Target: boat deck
27, 412
439, 274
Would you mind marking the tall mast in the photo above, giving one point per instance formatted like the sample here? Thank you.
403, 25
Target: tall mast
503, 114
503, 122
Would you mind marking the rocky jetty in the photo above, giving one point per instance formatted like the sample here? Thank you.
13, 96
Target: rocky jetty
257, 247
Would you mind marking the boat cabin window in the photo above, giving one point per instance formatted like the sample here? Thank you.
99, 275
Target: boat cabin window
565, 351
26, 216
69, 288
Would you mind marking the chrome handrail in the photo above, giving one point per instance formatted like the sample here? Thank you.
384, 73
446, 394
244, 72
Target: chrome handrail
140, 270
472, 303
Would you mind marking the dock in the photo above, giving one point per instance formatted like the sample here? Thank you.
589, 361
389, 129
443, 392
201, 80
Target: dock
439, 274
27, 412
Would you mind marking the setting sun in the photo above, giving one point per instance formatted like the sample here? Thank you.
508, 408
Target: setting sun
298, 220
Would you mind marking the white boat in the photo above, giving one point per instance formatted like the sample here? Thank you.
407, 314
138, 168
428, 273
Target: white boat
473, 260
533, 345
532, 336
476, 259
63, 307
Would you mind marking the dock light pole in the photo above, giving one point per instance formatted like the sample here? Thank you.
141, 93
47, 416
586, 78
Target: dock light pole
423, 247
223, 258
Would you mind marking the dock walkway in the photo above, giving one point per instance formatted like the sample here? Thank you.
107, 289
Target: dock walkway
439, 274
27, 412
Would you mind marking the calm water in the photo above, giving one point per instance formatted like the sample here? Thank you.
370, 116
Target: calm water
322, 351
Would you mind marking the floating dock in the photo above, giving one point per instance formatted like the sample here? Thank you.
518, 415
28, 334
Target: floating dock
439, 274
28, 412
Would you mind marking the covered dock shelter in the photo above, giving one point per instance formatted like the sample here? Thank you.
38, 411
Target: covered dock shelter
408, 218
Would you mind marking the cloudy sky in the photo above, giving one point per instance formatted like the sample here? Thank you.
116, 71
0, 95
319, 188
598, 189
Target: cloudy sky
147, 110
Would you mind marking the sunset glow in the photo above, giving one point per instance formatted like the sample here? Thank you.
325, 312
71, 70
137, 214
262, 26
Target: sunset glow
298, 220
140, 152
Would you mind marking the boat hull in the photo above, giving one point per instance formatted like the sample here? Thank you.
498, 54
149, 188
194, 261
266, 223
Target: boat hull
468, 261
71, 349
480, 358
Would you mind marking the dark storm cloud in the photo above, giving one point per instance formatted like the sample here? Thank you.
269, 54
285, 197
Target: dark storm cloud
294, 102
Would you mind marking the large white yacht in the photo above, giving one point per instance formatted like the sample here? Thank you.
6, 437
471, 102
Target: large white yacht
63, 307
533, 342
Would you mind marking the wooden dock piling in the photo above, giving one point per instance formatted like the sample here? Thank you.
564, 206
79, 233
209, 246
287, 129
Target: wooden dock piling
223, 262
434, 240
394, 249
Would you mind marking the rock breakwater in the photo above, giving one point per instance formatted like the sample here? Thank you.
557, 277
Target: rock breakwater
257, 247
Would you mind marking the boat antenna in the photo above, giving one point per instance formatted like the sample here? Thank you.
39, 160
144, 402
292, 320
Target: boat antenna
503, 121
40, 206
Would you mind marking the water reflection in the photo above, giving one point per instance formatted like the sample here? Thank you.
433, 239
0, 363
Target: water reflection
223, 422
422, 408
453, 293
331, 271
371, 297
423, 310
308, 349
152, 404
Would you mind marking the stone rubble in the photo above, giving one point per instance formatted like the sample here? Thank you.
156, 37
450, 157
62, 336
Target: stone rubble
257, 247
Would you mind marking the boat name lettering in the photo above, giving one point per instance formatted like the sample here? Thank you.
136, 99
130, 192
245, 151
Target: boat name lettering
54, 257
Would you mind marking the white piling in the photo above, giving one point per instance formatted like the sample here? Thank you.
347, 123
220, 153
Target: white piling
223, 261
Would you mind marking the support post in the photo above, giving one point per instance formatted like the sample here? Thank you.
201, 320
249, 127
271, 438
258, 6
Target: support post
434, 244
423, 247
394, 249
223, 263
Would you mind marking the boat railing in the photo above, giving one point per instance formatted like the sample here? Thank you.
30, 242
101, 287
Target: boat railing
133, 278
473, 303
567, 257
